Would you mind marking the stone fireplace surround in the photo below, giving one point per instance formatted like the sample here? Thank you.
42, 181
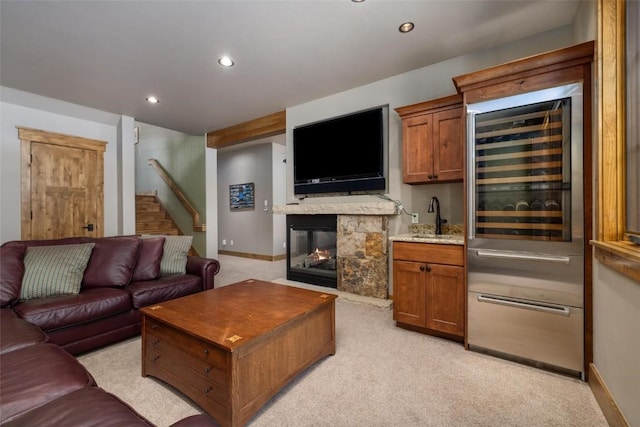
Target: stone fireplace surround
362, 249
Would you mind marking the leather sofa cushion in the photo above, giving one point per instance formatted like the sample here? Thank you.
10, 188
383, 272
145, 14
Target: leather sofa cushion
28, 383
88, 305
163, 289
17, 333
112, 262
12, 257
84, 407
149, 258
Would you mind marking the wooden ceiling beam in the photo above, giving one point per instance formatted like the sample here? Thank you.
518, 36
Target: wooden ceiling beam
273, 124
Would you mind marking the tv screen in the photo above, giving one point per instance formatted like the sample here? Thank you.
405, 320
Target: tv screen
342, 154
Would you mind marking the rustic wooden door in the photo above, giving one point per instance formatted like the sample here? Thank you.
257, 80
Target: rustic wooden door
62, 185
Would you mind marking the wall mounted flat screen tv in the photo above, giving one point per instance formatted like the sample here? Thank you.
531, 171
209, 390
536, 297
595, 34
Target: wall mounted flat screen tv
342, 154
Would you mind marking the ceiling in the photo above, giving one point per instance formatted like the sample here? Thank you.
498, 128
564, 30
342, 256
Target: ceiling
111, 55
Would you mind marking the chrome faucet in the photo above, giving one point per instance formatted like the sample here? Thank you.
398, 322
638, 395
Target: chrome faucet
439, 221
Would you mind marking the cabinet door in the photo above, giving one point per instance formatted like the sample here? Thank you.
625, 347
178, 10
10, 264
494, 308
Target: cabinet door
445, 299
409, 292
417, 149
448, 145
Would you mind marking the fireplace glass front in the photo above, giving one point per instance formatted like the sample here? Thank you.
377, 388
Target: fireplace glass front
311, 249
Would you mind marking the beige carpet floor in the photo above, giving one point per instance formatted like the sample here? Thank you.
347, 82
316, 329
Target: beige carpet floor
381, 375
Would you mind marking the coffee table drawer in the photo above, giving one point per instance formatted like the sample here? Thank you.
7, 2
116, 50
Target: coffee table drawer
208, 386
200, 349
156, 347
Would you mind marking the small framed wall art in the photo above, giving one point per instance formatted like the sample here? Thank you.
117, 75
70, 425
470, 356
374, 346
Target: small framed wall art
241, 196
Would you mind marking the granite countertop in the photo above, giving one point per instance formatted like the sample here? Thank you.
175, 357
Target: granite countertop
452, 234
445, 239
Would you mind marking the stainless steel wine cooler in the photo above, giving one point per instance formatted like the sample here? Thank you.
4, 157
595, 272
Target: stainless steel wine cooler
525, 253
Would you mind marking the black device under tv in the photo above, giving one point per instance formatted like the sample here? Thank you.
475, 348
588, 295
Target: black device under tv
341, 154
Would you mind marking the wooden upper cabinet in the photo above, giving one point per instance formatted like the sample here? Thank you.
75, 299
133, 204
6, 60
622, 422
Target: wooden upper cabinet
432, 144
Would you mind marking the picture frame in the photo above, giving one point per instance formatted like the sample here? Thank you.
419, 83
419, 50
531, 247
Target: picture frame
241, 196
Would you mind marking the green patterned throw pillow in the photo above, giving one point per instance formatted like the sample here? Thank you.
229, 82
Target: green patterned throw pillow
174, 257
54, 270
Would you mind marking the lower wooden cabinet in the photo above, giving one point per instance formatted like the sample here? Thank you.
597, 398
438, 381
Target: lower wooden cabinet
428, 287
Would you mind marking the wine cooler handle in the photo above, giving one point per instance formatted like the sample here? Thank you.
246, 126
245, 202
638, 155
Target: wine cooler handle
522, 256
471, 173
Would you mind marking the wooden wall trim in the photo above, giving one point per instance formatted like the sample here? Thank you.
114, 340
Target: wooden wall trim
537, 64
53, 138
253, 256
607, 403
611, 247
441, 103
273, 124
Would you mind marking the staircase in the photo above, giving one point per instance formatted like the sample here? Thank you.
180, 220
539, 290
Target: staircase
152, 218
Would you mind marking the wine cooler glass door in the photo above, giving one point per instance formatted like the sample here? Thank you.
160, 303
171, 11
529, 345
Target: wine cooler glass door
525, 166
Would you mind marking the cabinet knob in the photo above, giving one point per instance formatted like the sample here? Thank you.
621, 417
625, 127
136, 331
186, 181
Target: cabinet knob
206, 351
155, 359
430, 176
435, 176
422, 268
207, 370
428, 268
154, 326
156, 342
207, 390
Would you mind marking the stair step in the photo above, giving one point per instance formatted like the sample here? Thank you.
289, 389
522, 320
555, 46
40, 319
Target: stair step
148, 207
144, 216
156, 224
144, 198
171, 232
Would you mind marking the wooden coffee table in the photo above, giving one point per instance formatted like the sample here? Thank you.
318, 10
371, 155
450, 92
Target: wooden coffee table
231, 349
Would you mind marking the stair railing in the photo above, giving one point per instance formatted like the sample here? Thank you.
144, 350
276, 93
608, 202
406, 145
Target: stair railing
179, 194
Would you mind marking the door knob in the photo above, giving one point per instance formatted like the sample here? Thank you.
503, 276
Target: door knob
89, 227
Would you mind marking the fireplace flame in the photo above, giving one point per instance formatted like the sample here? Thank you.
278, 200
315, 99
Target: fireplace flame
320, 254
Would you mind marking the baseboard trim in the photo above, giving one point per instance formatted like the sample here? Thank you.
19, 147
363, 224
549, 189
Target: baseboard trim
607, 403
254, 256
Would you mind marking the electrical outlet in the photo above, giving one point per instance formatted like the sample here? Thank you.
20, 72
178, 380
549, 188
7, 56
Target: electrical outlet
414, 218
224, 242
231, 242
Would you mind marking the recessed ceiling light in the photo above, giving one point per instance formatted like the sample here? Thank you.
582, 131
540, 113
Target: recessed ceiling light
225, 61
406, 27
357, 1
152, 100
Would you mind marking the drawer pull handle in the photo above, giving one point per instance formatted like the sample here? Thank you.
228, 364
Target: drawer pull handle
564, 311
207, 390
207, 370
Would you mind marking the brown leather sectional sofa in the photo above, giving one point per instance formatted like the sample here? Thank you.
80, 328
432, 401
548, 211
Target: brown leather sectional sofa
41, 383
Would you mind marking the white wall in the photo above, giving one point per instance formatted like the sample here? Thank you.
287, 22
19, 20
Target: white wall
616, 337
23, 109
279, 191
250, 230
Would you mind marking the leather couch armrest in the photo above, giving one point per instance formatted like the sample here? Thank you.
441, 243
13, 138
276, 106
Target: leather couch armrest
206, 268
